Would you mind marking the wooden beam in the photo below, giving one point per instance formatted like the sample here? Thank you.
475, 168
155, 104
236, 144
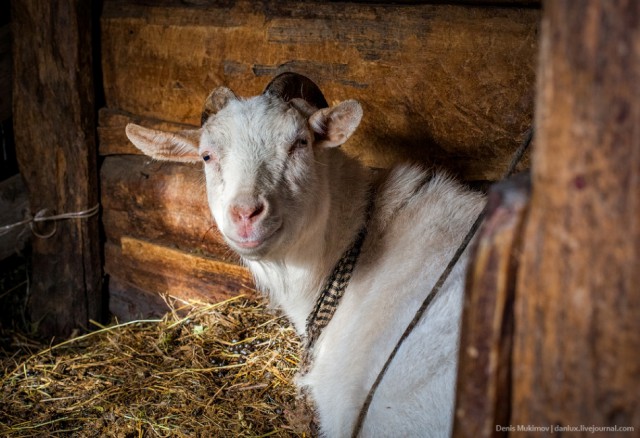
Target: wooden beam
447, 84
54, 126
163, 202
577, 334
111, 131
161, 270
484, 385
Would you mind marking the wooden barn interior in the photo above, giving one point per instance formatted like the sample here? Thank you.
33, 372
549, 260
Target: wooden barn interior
551, 326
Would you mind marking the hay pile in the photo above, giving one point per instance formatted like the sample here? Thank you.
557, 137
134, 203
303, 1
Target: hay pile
223, 370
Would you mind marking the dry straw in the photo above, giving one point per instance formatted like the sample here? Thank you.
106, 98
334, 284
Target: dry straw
221, 370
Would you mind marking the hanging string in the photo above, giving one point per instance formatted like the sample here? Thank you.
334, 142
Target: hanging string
41, 217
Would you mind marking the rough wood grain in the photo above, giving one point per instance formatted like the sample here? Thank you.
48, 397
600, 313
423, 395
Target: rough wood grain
484, 370
111, 131
54, 127
577, 338
159, 269
439, 83
163, 202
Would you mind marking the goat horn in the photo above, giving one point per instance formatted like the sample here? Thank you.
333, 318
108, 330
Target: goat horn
289, 86
215, 101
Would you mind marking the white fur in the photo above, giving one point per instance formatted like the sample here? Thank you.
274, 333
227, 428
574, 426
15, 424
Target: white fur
315, 200
414, 232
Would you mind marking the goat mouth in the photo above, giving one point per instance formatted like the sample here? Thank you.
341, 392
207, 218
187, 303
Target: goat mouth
251, 246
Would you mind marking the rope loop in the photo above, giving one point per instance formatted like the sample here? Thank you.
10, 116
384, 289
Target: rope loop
41, 216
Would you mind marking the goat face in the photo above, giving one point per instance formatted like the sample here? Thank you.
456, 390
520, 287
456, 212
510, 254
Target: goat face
260, 170
261, 159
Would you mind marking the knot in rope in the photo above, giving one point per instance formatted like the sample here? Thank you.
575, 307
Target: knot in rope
41, 216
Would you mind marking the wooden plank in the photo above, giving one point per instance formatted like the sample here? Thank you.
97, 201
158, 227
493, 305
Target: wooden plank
158, 269
54, 127
14, 204
577, 337
6, 68
163, 202
484, 378
171, 229
111, 135
439, 83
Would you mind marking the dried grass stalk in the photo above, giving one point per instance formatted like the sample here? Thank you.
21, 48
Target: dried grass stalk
204, 370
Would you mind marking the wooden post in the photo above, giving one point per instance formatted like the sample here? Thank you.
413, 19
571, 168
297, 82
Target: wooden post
577, 310
484, 385
54, 123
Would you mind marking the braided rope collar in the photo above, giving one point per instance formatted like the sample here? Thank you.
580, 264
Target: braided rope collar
333, 289
326, 306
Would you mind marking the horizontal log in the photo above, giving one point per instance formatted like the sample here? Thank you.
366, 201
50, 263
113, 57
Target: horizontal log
154, 227
111, 135
164, 202
451, 85
140, 182
159, 269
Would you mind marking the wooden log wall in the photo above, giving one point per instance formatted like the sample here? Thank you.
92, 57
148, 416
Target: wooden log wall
437, 82
443, 84
161, 238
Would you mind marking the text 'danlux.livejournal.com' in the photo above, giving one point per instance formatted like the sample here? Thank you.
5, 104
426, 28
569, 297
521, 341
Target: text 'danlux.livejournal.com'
556, 428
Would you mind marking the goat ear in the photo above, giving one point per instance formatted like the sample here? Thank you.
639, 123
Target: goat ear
179, 146
217, 99
335, 125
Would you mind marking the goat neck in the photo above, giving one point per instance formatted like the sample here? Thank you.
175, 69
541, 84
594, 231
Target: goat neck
294, 277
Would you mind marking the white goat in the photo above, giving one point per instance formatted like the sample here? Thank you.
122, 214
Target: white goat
290, 202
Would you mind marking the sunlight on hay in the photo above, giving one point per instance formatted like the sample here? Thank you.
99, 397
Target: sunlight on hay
222, 370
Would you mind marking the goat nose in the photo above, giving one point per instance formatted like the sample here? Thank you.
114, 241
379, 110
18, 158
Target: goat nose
247, 212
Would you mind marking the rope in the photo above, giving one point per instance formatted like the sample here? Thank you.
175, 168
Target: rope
40, 217
333, 290
517, 156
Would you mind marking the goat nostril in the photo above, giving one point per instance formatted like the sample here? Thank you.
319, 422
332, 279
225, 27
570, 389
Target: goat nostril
241, 213
258, 210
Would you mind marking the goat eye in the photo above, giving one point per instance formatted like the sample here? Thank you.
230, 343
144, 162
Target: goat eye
206, 157
298, 144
